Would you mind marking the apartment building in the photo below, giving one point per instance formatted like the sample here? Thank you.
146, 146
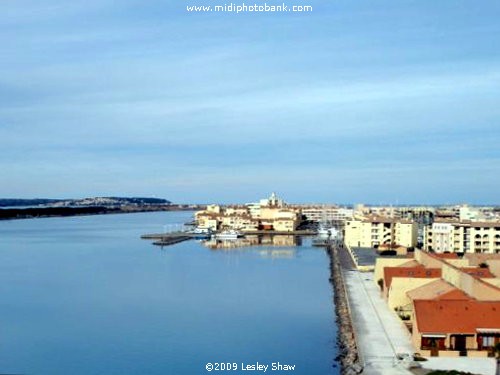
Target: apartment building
327, 213
462, 236
375, 231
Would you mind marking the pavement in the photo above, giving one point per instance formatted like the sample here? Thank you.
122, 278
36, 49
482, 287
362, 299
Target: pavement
482, 366
381, 334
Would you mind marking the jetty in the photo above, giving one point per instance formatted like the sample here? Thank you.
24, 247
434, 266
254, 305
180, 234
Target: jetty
168, 236
171, 238
350, 358
167, 239
171, 235
305, 232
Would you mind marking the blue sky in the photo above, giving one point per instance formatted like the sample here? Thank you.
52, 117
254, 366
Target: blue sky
358, 101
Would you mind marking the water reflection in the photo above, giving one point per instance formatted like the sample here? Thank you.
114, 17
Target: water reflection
87, 296
278, 253
253, 240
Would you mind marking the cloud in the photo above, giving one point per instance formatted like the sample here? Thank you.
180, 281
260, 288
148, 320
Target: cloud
94, 93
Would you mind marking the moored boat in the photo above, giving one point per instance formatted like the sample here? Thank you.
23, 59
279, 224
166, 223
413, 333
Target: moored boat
228, 235
200, 233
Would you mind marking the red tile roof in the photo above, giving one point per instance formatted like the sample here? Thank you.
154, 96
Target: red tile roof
445, 255
478, 272
455, 294
452, 316
416, 272
437, 290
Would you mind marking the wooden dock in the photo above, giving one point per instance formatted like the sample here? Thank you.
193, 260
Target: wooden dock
167, 236
171, 240
167, 239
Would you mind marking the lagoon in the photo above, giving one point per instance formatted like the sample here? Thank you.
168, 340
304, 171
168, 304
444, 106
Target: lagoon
85, 295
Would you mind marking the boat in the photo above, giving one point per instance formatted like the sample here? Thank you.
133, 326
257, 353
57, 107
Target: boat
200, 233
327, 232
323, 232
228, 235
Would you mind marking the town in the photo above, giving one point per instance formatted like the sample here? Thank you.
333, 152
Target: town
436, 269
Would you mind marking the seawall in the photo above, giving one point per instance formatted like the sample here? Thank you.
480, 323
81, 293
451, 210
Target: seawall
348, 354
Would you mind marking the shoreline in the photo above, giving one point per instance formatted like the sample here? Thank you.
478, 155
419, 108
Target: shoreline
348, 356
48, 212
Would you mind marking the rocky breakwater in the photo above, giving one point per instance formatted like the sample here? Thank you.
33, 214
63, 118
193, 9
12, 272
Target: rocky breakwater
348, 351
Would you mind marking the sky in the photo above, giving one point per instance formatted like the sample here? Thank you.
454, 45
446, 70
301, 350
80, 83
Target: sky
382, 102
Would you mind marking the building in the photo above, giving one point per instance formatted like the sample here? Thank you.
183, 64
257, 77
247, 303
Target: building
374, 231
467, 213
462, 236
456, 327
330, 214
399, 280
272, 201
451, 305
270, 214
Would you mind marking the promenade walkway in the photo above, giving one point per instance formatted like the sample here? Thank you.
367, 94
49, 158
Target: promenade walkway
380, 333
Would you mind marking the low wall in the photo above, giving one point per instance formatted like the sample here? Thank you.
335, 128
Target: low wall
477, 354
456, 353
351, 253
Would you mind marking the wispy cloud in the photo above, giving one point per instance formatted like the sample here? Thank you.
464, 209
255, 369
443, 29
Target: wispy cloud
95, 92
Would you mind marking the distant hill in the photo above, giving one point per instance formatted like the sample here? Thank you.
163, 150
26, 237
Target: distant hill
25, 202
85, 202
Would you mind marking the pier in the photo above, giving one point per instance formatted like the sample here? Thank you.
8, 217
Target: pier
349, 357
171, 235
280, 233
168, 236
166, 239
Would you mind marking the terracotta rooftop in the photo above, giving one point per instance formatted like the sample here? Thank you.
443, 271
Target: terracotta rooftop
416, 272
477, 258
455, 294
439, 290
478, 272
445, 255
452, 316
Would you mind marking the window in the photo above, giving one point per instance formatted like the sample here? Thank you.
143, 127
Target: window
488, 341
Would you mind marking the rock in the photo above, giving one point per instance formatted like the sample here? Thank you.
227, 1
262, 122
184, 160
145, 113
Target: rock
348, 351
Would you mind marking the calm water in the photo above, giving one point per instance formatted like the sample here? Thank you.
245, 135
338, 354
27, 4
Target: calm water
85, 295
